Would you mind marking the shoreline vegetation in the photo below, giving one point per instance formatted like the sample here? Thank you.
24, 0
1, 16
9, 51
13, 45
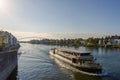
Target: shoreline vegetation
107, 42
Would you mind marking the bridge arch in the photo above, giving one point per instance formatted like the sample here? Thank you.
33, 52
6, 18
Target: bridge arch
31, 38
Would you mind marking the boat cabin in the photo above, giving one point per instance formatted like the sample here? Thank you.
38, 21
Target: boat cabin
77, 57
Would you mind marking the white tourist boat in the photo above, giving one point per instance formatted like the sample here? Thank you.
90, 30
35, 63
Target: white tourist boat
82, 62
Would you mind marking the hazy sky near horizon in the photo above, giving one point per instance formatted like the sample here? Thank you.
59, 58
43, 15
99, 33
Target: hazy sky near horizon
44, 16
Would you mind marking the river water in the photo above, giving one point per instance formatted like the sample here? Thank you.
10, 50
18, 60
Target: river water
35, 63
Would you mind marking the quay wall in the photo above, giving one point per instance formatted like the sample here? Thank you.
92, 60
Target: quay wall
8, 61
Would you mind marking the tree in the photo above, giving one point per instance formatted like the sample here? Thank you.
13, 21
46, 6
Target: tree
106, 40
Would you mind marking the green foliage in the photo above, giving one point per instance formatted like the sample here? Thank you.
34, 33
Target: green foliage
2, 44
106, 39
62, 42
91, 45
90, 42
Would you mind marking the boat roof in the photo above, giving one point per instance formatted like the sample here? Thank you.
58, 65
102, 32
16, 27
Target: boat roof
73, 51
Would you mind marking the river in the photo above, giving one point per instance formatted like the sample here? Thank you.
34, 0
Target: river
35, 63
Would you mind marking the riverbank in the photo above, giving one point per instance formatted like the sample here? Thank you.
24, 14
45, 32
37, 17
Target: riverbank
75, 45
106, 42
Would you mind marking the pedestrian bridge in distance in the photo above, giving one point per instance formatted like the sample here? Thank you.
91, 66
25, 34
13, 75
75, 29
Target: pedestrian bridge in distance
30, 38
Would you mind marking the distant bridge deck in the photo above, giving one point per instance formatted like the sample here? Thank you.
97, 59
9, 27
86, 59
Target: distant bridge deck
30, 38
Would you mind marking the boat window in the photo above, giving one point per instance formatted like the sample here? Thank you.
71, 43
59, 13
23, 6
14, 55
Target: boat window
65, 56
74, 60
85, 54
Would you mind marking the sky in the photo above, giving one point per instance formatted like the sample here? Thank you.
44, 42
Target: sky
60, 17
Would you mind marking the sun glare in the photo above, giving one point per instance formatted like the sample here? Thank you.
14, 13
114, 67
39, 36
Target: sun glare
2, 4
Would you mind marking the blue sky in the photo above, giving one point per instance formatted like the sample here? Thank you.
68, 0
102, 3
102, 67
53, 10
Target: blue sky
51, 16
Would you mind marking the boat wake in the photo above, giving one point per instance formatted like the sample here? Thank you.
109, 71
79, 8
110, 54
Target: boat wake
104, 73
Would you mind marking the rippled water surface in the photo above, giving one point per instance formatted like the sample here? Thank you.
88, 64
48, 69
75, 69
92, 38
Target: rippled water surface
35, 63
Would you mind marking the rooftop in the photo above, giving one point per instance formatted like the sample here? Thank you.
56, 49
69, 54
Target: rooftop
73, 51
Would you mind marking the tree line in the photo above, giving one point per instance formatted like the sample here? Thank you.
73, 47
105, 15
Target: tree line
62, 42
90, 42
